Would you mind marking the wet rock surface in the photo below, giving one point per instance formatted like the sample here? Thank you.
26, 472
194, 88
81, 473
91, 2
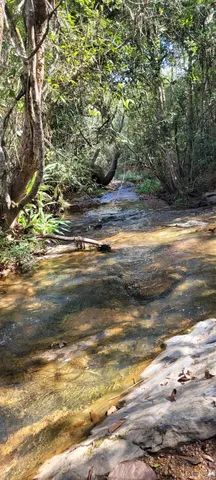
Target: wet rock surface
151, 422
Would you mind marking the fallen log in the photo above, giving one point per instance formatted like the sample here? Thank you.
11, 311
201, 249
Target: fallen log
79, 241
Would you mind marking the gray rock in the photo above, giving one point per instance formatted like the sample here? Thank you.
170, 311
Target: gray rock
75, 464
150, 421
132, 470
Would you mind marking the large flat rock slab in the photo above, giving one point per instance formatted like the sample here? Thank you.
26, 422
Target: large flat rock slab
150, 420
103, 456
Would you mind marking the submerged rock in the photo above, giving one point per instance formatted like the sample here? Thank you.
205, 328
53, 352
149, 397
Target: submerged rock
152, 285
149, 421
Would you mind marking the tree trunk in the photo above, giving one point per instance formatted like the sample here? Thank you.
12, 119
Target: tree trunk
31, 157
104, 179
3, 179
1, 22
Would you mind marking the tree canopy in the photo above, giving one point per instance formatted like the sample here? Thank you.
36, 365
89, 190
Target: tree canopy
87, 84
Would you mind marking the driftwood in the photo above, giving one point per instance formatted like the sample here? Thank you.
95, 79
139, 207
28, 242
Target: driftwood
80, 242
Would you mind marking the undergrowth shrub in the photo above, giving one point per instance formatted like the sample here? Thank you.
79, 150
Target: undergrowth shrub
18, 254
149, 185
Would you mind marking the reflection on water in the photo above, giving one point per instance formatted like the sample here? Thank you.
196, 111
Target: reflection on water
112, 311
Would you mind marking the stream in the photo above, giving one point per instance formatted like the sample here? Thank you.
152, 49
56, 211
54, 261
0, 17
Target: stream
110, 313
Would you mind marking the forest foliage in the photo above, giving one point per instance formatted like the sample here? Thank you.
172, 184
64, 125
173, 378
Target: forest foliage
87, 85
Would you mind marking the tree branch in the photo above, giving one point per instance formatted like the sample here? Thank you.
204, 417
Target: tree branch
84, 138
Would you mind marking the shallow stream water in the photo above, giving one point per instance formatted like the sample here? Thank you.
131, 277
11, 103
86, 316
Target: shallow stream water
112, 313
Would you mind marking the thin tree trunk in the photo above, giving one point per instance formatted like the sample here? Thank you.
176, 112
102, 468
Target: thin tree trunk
4, 195
2, 7
189, 158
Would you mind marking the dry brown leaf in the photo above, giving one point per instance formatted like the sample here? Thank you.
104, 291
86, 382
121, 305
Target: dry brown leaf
184, 378
172, 397
208, 375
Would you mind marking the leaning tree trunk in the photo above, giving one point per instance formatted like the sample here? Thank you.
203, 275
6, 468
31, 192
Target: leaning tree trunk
100, 177
31, 157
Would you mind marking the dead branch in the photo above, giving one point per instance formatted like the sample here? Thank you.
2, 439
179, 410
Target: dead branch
103, 247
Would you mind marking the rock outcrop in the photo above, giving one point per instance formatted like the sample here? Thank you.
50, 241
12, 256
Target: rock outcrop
153, 418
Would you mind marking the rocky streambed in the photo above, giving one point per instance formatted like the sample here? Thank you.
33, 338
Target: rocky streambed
82, 328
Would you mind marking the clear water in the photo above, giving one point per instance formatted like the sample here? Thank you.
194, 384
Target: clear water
113, 311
